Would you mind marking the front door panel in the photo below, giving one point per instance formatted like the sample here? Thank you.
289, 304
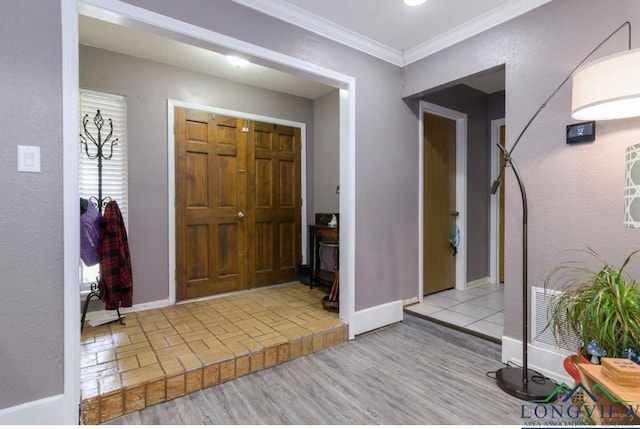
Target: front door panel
275, 198
211, 237
238, 203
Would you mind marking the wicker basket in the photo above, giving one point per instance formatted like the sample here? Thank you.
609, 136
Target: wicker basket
622, 371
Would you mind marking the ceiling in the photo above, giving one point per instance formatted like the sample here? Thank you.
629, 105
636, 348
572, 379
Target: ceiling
148, 46
391, 30
387, 29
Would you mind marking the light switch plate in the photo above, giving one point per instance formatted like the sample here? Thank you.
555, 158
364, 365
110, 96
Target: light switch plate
29, 158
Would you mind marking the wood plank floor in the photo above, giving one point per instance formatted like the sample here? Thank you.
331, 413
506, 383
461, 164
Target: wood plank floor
413, 372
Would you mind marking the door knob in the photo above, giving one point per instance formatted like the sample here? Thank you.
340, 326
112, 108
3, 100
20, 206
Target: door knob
240, 215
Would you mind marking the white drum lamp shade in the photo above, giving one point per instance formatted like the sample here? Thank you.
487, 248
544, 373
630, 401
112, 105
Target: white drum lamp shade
608, 88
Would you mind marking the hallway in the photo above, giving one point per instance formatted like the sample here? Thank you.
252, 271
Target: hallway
166, 353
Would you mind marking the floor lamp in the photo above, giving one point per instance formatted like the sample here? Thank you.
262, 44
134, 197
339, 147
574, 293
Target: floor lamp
607, 88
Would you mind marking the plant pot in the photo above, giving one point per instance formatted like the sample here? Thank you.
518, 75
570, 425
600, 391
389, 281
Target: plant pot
582, 356
570, 364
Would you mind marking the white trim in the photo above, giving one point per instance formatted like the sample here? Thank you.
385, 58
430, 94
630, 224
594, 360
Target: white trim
66, 410
238, 114
546, 361
347, 197
461, 197
376, 317
171, 201
494, 212
477, 25
46, 411
286, 11
420, 203
461, 190
171, 105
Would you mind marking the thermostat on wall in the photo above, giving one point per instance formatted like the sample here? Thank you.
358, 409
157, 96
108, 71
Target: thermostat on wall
580, 133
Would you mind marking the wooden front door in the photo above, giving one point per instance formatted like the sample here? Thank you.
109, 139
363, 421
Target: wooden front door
439, 202
274, 198
237, 224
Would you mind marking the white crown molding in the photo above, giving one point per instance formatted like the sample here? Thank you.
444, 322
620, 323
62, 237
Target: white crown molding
471, 28
294, 15
309, 21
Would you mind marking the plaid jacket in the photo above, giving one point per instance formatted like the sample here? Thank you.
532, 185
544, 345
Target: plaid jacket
116, 283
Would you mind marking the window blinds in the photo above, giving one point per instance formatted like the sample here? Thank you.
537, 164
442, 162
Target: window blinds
114, 170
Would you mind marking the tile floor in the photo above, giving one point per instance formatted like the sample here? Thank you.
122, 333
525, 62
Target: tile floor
165, 353
479, 310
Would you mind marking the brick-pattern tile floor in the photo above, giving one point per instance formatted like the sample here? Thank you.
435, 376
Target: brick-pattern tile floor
165, 353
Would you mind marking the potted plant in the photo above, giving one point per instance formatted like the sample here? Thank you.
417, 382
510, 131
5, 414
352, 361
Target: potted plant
597, 305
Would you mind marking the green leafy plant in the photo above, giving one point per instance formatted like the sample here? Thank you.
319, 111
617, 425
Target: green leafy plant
601, 304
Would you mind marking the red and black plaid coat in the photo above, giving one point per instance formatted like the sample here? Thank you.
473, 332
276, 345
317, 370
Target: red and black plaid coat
116, 283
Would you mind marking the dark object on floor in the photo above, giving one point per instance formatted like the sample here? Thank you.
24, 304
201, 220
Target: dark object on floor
304, 274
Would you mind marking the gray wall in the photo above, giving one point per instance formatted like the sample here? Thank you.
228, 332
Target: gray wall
31, 271
476, 105
575, 192
147, 86
496, 106
326, 153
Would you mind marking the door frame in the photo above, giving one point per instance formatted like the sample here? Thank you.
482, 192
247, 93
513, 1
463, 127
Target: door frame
133, 16
171, 209
461, 190
494, 215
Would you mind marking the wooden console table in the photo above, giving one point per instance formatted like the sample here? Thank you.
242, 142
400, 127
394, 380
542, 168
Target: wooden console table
316, 233
606, 411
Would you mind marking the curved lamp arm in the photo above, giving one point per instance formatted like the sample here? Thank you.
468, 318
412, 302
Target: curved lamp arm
515, 381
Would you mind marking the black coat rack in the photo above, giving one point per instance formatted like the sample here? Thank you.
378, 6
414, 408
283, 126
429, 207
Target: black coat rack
100, 201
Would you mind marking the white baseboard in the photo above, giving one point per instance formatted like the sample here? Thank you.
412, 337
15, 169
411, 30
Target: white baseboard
376, 317
479, 282
548, 362
106, 314
46, 411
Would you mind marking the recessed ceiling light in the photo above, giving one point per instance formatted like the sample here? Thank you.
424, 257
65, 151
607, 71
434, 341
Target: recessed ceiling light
414, 2
236, 61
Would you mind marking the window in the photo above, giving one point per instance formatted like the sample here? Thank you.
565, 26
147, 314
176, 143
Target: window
114, 170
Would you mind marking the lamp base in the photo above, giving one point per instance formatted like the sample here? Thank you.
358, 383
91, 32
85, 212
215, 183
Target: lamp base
511, 380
